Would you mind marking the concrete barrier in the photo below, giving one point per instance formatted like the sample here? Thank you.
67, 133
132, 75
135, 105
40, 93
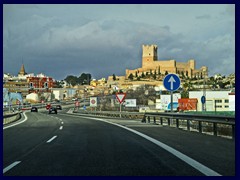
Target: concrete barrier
9, 118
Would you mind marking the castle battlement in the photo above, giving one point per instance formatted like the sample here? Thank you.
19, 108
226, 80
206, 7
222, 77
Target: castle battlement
151, 63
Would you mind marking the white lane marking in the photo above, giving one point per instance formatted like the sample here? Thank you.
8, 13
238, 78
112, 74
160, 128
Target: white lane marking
25, 118
10, 166
198, 166
50, 140
61, 127
62, 122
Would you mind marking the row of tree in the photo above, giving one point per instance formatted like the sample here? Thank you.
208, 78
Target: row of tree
84, 78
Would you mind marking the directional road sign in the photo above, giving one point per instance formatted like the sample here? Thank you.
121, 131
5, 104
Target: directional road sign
120, 97
203, 99
171, 82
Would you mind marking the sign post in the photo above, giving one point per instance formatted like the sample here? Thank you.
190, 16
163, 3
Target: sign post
203, 100
120, 98
171, 82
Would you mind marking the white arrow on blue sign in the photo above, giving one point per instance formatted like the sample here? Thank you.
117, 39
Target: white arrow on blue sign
171, 82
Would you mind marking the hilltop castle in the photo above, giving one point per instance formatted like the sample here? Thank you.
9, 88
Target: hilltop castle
150, 63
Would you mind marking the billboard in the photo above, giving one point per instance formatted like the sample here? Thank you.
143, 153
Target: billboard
187, 104
130, 103
165, 101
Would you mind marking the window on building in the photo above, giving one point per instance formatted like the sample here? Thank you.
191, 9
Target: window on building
226, 106
226, 101
218, 101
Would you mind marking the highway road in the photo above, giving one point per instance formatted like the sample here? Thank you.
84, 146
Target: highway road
69, 145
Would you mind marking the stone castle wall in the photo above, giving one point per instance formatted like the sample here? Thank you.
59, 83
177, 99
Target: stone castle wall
150, 63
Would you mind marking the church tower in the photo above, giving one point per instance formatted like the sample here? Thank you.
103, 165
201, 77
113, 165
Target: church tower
22, 71
149, 54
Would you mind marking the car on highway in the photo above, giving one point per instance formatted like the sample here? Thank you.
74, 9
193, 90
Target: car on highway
34, 109
52, 110
59, 107
48, 106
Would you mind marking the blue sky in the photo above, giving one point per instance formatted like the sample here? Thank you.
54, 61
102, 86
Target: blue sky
61, 40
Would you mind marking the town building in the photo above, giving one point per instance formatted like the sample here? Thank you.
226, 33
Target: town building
25, 83
215, 100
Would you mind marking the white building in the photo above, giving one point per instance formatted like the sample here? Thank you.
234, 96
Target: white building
58, 94
215, 100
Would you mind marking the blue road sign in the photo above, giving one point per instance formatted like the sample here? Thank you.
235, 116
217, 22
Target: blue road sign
171, 82
203, 99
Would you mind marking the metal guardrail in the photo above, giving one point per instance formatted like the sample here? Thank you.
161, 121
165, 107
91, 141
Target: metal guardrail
199, 122
217, 125
130, 115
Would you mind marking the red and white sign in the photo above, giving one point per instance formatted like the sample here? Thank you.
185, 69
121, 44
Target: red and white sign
120, 97
93, 101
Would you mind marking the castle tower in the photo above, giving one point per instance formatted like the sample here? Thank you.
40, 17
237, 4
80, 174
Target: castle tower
22, 71
149, 54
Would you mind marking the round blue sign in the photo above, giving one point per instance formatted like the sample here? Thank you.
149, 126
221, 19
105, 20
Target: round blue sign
203, 99
171, 82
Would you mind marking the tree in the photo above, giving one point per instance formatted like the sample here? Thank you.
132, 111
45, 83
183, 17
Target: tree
59, 84
154, 76
166, 72
130, 76
114, 77
159, 73
84, 78
182, 74
136, 74
143, 75
72, 80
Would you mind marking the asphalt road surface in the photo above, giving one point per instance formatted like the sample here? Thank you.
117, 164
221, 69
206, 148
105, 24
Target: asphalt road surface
69, 145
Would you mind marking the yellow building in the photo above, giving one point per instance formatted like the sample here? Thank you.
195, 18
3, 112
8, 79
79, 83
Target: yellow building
150, 63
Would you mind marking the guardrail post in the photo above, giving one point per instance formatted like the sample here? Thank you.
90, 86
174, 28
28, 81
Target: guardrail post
200, 126
148, 119
144, 119
215, 129
233, 131
161, 120
188, 125
168, 121
154, 120
177, 123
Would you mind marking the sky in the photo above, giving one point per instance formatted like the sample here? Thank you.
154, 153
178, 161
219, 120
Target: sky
106, 39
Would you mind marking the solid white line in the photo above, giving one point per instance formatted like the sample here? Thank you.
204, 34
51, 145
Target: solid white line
10, 166
61, 127
62, 122
198, 166
17, 122
51, 139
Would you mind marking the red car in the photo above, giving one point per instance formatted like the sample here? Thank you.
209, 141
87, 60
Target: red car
48, 106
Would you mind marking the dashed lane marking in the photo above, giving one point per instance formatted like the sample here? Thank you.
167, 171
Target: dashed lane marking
50, 140
10, 166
